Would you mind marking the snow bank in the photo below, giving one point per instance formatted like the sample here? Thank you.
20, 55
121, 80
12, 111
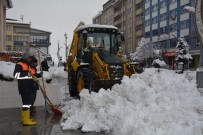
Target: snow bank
150, 103
6, 69
58, 72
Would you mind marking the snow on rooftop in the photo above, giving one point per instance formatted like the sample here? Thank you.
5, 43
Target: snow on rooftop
17, 22
96, 26
151, 103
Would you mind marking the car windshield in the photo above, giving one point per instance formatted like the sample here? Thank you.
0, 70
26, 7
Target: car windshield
101, 40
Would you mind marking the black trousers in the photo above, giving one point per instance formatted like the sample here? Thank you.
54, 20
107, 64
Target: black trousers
26, 99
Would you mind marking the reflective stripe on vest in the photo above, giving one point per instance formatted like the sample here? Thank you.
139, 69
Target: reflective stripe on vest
24, 67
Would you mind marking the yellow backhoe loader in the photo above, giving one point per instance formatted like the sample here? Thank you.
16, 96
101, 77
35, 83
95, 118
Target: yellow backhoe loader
94, 60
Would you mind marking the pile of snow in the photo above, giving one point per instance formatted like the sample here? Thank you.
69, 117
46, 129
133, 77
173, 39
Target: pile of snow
150, 103
159, 62
47, 75
6, 69
58, 72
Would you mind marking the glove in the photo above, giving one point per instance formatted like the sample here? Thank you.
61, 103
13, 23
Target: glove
34, 78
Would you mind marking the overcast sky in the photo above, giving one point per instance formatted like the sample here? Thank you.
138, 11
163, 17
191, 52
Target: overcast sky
56, 16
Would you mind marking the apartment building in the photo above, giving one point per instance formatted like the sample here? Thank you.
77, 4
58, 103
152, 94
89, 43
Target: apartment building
167, 20
4, 4
17, 36
41, 39
127, 16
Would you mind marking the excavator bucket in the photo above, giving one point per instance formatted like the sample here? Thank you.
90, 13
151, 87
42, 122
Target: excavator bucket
96, 85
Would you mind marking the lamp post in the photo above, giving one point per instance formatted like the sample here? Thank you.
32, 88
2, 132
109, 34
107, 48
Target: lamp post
198, 22
66, 37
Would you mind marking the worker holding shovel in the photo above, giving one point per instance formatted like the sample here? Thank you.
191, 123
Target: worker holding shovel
25, 87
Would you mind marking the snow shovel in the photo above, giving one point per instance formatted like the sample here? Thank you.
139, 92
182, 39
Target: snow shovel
54, 109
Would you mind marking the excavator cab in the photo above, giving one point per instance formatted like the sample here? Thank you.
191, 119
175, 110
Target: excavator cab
94, 61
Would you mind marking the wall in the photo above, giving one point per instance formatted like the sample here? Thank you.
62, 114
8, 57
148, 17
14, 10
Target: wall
10, 98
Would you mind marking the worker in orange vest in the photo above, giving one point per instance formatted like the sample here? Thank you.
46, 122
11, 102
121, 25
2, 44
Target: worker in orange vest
33, 70
25, 87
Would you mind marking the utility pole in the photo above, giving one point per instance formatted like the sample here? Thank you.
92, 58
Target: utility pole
66, 47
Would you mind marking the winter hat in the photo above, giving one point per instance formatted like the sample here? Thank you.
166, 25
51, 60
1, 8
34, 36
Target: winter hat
33, 59
26, 55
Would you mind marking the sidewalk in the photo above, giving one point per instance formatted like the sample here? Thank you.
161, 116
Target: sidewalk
47, 124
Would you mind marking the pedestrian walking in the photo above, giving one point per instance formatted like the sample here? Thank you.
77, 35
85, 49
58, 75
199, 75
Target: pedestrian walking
33, 70
44, 65
25, 87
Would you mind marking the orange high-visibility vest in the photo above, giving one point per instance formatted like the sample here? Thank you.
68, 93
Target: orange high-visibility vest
23, 65
32, 71
26, 67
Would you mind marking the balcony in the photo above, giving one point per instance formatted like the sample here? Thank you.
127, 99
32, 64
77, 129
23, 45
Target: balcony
18, 48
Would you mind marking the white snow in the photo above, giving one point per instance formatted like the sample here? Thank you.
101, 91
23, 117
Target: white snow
6, 69
151, 103
58, 72
95, 26
190, 9
161, 63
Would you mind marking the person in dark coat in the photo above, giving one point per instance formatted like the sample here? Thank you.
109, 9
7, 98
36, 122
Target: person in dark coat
44, 65
33, 70
25, 87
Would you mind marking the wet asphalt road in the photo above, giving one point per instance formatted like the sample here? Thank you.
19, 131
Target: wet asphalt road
47, 123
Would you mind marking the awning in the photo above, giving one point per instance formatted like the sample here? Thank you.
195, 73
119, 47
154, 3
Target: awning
169, 54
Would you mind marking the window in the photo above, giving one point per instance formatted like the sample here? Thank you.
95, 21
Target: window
184, 24
173, 14
163, 4
147, 23
172, 1
155, 32
146, 1
173, 43
174, 27
147, 11
197, 42
163, 17
147, 34
139, 16
155, 8
154, 20
139, 27
8, 27
8, 38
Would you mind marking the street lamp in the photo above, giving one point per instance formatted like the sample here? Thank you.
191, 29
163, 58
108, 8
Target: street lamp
198, 22
66, 47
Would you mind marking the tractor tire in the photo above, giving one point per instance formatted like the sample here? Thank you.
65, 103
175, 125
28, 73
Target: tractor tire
72, 78
83, 78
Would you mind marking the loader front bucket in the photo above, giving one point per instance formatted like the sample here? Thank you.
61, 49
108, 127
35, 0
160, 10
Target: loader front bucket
96, 85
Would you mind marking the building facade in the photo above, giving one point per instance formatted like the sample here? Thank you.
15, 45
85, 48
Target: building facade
127, 16
41, 39
17, 36
165, 21
4, 4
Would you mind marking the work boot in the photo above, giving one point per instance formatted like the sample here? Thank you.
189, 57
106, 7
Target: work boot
26, 118
32, 111
22, 119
